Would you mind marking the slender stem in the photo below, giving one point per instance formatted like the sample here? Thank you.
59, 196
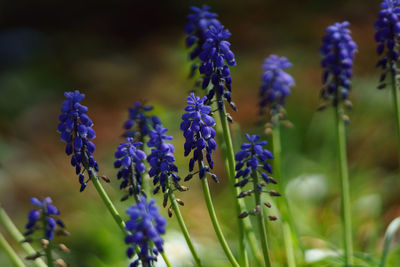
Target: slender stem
182, 225
166, 260
345, 191
287, 237
15, 259
108, 203
283, 204
47, 250
396, 103
18, 237
261, 220
215, 223
229, 158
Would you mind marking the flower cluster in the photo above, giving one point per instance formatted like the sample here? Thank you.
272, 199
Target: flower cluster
129, 159
162, 159
388, 35
45, 213
198, 22
146, 226
139, 123
252, 161
197, 127
276, 82
76, 130
215, 57
338, 51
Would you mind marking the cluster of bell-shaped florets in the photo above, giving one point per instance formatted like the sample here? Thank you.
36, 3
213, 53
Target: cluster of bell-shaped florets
198, 23
146, 226
251, 162
130, 162
216, 57
162, 160
140, 123
276, 83
44, 218
197, 127
387, 35
338, 51
76, 130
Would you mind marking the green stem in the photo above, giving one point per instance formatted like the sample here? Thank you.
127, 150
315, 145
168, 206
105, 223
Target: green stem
287, 237
214, 220
396, 103
18, 237
108, 203
166, 260
283, 204
15, 259
261, 220
345, 191
182, 225
47, 250
244, 225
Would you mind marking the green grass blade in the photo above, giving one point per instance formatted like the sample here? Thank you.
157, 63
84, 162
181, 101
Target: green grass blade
390, 232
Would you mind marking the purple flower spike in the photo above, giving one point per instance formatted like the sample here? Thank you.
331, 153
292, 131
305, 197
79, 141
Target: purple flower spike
146, 226
388, 36
76, 131
45, 210
139, 123
276, 83
253, 158
197, 126
130, 162
162, 159
338, 50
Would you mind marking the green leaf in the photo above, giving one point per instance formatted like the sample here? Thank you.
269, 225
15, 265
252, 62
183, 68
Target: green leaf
390, 232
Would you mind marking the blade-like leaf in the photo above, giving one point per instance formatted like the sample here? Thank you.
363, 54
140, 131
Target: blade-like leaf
390, 232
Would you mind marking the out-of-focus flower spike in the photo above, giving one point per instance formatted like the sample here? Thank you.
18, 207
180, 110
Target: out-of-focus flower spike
146, 226
338, 50
140, 122
276, 85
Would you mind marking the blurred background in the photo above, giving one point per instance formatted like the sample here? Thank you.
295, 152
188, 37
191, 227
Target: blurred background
120, 52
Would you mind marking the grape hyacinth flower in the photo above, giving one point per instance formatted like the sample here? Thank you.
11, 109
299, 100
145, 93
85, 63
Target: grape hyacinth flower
139, 123
216, 57
198, 23
387, 35
146, 226
76, 130
161, 159
44, 217
338, 51
276, 83
197, 127
250, 161
129, 159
